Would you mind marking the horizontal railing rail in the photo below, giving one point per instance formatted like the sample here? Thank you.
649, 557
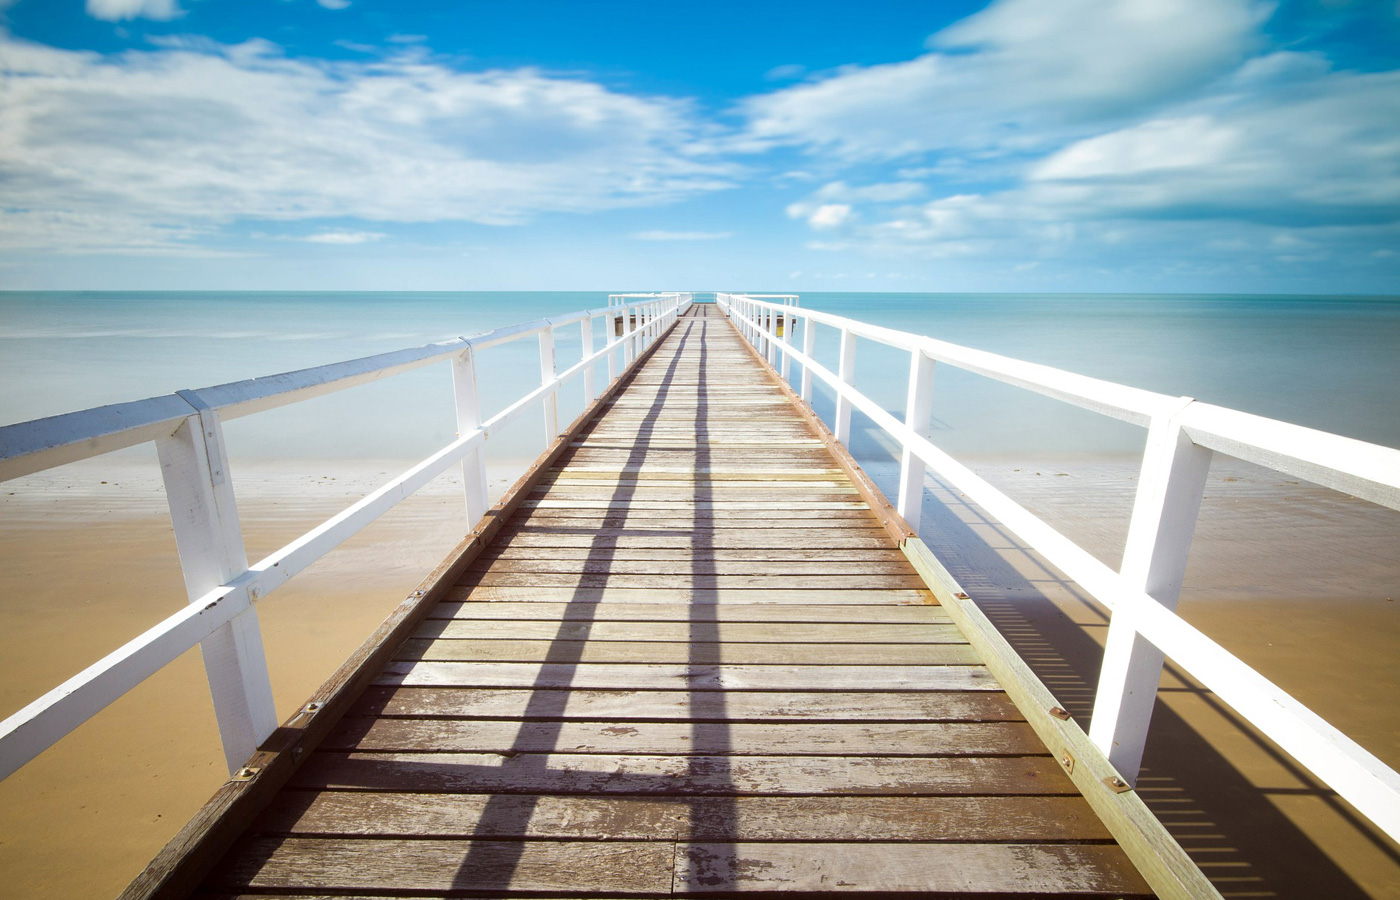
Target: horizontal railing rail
1182, 436
222, 586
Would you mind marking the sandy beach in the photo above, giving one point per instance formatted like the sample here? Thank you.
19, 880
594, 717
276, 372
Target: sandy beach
88, 561
1297, 580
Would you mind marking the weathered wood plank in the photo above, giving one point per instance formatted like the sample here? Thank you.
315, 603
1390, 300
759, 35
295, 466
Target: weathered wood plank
621, 611
683, 652
685, 677
644, 705
691, 553
564, 773
738, 738
449, 865
812, 582
962, 870
530, 537
602, 563
603, 521
689, 506
690, 595
697, 517
562, 481
708, 494
705, 473
698, 629
853, 819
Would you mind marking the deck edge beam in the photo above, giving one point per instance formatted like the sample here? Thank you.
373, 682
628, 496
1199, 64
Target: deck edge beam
1158, 857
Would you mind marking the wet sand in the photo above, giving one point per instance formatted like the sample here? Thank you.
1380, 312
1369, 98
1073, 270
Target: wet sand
1295, 579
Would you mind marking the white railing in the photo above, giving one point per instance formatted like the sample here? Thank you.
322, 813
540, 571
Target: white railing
1182, 435
222, 587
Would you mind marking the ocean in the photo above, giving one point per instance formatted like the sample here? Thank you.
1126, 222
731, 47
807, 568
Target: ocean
1326, 362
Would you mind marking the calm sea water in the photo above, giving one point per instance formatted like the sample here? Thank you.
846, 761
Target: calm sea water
1326, 362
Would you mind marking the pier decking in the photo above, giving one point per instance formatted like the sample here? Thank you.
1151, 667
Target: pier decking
691, 661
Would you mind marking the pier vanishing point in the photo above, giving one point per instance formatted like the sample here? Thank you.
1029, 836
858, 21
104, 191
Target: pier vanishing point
694, 650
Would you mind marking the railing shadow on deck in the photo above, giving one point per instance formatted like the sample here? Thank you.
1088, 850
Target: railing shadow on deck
1229, 827
491, 865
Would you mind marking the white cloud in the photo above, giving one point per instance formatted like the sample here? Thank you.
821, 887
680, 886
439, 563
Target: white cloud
333, 4
1014, 76
183, 138
1318, 147
832, 206
681, 235
1283, 160
121, 10
344, 237
821, 216
887, 192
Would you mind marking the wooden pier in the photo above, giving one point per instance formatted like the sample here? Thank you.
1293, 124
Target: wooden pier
685, 656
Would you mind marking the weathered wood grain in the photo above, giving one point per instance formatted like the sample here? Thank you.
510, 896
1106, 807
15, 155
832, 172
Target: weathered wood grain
739, 738
699, 629
963, 870
601, 564
620, 611
854, 819
537, 537
687, 677
448, 865
813, 582
685, 652
690, 595
691, 554
731, 706
700, 775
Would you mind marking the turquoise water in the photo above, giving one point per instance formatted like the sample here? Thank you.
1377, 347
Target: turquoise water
1326, 362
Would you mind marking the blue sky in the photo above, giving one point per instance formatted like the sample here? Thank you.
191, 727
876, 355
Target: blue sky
1019, 145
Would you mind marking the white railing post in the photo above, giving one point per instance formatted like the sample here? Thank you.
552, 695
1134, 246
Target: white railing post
846, 372
809, 346
589, 392
548, 371
1168, 500
629, 341
772, 333
464, 389
204, 514
787, 343
918, 409
611, 341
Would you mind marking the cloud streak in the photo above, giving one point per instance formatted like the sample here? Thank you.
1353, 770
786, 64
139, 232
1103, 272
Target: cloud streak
196, 134
1042, 131
1016, 77
123, 10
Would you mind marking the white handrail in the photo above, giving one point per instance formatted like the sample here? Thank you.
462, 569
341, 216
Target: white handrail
1182, 434
223, 588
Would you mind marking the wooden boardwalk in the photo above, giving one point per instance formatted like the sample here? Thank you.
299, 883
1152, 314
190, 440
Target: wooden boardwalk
691, 663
